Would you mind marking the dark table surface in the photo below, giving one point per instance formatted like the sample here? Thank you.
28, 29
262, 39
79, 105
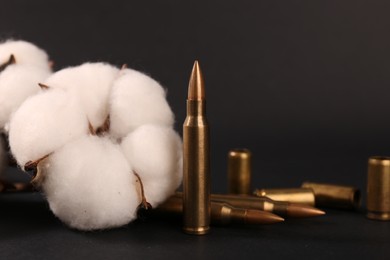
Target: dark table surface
29, 229
303, 84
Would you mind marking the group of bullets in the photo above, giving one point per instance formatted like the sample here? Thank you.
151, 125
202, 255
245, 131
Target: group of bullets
263, 206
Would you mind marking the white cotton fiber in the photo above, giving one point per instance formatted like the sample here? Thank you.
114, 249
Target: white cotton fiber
90, 185
25, 53
137, 99
155, 153
91, 83
17, 83
44, 123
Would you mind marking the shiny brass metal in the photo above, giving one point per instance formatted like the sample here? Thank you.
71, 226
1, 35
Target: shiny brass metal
378, 188
196, 175
281, 208
239, 171
223, 213
303, 196
334, 196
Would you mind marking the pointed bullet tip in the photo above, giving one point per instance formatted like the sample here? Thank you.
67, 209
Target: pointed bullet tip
196, 85
262, 217
303, 211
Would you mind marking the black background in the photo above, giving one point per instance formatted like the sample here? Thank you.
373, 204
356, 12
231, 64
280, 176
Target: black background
304, 85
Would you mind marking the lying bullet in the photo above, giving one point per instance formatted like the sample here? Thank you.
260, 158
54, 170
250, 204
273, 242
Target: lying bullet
223, 213
294, 195
196, 174
334, 196
281, 208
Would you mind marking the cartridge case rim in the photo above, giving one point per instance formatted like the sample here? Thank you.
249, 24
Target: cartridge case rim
196, 230
385, 216
379, 160
240, 152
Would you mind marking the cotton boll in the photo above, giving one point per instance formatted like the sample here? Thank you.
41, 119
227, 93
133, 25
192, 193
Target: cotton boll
90, 185
44, 123
17, 83
25, 53
137, 99
155, 153
91, 82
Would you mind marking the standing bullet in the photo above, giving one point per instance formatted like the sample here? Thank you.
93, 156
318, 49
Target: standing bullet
223, 213
196, 175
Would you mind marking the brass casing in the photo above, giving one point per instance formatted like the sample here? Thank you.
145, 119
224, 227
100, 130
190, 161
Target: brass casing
334, 196
196, 175
294, 195
252, 202
239, 171
280, 208
378, 188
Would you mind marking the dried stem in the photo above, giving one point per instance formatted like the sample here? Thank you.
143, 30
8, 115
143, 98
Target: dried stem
104, 128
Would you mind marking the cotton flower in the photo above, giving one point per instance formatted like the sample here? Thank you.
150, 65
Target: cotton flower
25, 53
137, 99
155, 153
17, 83
44, 123
90, 185
91, 83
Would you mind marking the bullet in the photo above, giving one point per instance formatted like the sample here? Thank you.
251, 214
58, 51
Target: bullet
280, 208
223, 213
196, 175
239, 171
378, 188
303, 196
334, 196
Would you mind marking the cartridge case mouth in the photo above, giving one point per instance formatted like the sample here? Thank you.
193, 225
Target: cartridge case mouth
196, 230
335, 196
378, 188
379, 160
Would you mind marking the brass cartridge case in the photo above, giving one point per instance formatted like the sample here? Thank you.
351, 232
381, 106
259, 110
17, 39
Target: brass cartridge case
281, 208
196, 175
223, 213
239, 171
334, 196
303, 196
378, 188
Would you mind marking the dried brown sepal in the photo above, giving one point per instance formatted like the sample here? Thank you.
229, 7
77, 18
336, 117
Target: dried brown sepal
91, 130
10, 61
124, 66
32, 165
43, 86
144, 203
104, 128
